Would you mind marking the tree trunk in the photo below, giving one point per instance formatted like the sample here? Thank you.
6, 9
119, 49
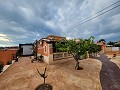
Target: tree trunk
76, 58
77, 65
44, 80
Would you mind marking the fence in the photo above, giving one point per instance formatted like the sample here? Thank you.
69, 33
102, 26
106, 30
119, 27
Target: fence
112, 49
61, 55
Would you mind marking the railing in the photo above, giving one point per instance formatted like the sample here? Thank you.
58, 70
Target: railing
61, 55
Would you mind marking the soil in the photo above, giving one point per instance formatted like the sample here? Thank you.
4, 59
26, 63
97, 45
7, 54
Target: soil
23, 75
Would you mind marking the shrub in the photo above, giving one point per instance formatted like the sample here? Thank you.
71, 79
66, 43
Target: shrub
1, 66
41, 56
9, 62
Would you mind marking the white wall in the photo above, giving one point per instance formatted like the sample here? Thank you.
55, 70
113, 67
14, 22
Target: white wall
115, 48
27, 49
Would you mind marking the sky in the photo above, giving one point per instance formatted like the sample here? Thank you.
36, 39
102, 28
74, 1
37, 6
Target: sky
24, 21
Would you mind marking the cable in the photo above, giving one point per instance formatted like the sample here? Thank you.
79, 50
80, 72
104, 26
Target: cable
87, 19
94, 14
93, 17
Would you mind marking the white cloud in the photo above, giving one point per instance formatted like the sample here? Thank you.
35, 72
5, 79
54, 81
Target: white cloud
86, 32
115, 23
50, 24
2, 35
4, 38
27, 13
106, 36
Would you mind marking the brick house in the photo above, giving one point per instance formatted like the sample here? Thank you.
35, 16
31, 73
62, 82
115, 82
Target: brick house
45, 46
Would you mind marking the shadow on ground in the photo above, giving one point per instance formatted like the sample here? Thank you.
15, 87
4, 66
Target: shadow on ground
44, 87
109, 74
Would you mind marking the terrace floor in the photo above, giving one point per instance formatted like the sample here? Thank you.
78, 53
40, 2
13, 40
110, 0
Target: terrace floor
97, 74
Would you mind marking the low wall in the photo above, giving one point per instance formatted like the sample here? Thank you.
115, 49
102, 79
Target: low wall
6, 55
112, 49
61, 56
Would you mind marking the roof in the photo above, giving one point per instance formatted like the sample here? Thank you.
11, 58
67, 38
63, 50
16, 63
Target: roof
54, 36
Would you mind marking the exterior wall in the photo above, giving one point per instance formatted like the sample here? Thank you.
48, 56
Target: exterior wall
103, 48
46, 59
112, 49
115, 48
48, 55
108, 49
6, 55
41, 48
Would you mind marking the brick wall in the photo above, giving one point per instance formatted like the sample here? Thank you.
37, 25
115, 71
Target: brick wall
41, 48
6, 55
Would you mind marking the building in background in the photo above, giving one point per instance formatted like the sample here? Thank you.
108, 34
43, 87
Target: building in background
26, 49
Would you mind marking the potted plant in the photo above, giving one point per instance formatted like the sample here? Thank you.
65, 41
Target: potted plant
9, 62
41, 57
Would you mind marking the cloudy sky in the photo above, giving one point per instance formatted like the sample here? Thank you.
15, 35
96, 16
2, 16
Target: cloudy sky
23, 21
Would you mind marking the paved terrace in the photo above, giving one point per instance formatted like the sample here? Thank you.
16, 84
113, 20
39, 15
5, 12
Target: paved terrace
23, 75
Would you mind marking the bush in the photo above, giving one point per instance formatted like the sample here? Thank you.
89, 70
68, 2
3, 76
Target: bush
9, 62
1, 66
41, 56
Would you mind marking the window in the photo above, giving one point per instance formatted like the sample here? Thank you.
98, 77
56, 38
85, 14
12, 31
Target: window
45, 49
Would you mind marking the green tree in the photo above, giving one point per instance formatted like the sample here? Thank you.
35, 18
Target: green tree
111, 43
93, 48
77, 47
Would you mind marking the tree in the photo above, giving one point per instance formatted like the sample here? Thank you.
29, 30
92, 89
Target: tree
93, 48
102, 40
116, 44
77, 47
43, 75
111, 43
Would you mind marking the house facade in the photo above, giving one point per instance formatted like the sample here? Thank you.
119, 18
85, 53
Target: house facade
46, 47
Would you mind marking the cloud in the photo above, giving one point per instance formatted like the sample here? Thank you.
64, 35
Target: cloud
106, 36
26, 20
27, 13
4, 38
2, 35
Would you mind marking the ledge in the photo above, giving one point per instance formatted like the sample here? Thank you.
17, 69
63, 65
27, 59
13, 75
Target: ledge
6, 67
